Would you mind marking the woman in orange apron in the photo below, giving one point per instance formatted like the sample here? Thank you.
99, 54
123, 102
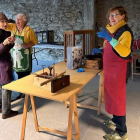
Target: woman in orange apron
116, 54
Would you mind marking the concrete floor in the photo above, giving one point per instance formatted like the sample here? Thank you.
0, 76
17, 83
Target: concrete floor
54, 115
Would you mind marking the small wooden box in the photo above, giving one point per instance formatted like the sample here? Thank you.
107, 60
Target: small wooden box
92, 62
54, 85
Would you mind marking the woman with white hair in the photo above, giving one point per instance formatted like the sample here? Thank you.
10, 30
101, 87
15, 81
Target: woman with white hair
22, 31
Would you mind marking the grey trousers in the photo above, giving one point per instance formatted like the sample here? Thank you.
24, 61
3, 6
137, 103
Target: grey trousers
5, 100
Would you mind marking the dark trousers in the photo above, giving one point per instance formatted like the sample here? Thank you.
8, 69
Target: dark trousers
23, 74
5, 100
120, 122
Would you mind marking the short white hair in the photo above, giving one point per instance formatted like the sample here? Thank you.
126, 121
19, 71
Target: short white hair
24, 17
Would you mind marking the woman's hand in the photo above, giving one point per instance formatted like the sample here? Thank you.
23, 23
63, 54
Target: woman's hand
104, 34
9, 40
6, 41
12, 39
24, 46
30, 44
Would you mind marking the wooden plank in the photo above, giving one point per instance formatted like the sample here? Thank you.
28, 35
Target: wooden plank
92, 39
67, 102
101, 81
41, 75
76, 118
34, 113
73, 39
84, 106
84, 51
24, 117
55, 131
132, 68
71, 108
136, 73
47, 81
65, 46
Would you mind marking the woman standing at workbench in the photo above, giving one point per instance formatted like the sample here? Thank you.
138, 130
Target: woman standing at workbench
116, 54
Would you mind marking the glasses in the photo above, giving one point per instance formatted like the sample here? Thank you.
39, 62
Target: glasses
113, 15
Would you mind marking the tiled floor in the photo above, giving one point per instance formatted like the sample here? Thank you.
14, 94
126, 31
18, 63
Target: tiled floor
54, 115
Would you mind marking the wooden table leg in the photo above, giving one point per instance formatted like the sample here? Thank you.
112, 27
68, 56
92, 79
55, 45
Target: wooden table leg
65, 47
24, 116
102, 87
84, 45
101, 94
67, 102
134, 65
73, 40
76, 118
69, 134
34, 113
132, 69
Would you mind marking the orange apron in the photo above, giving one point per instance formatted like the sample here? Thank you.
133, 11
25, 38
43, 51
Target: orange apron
114, 81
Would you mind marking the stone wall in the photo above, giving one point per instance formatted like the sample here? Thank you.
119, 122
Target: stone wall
61, 15
49, 54
57, 15
132, 7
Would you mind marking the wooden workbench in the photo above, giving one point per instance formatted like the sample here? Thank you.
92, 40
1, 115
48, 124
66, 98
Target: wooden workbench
77, 81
